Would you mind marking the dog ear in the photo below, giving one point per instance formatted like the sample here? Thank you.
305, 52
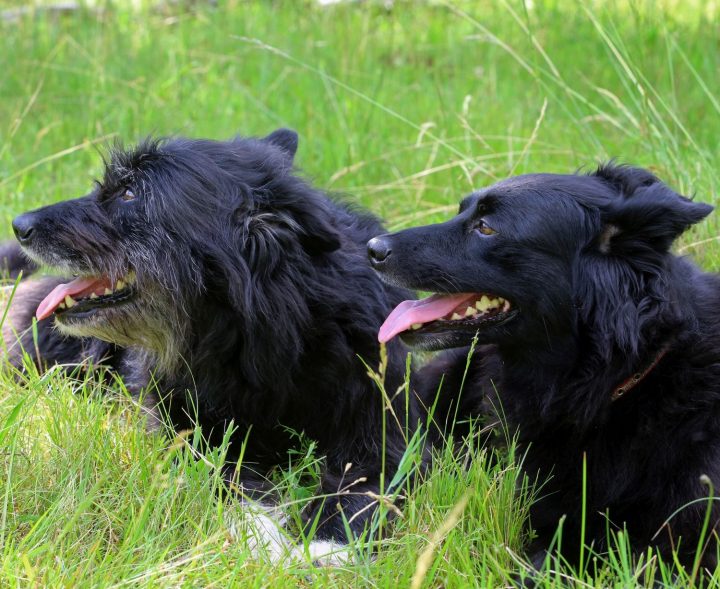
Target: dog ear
645, 213
318, 235
311, 228
285, 139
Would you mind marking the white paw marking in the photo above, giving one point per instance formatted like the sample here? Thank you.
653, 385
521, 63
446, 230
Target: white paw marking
324, 553
262, 527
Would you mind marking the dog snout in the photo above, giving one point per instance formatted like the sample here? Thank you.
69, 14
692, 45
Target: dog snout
24, 228
378, 250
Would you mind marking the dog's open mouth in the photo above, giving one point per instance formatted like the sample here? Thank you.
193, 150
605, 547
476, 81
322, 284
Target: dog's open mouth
85, 295
446, 312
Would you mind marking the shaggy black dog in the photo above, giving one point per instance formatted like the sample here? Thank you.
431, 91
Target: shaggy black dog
243, 292
603, 346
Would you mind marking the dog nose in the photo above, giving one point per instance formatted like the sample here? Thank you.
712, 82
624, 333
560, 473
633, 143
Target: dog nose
24, 229
378, 250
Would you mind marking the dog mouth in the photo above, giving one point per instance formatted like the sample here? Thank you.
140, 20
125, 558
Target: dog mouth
442, 313
86, 295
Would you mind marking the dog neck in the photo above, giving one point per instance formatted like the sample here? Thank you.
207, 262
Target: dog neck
568, 393
637, 377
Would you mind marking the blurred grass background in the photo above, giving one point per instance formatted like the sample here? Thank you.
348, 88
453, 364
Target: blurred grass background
405, 107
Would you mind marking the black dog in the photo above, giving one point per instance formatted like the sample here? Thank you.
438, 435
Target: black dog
247, 296
603, 346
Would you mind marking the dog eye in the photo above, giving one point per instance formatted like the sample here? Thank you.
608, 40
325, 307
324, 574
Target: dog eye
128, 195
484, 228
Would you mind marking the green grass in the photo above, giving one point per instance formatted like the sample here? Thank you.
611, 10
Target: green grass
405, 109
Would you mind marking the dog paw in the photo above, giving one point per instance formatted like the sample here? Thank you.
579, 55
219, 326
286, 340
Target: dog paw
323, 553
262, 528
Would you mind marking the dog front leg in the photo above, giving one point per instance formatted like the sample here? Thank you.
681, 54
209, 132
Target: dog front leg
348, 505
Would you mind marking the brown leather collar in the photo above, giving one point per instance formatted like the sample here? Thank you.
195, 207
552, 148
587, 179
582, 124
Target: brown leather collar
635, 379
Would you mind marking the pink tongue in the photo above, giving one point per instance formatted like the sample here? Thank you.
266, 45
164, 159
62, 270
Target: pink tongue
423, 311
78, 287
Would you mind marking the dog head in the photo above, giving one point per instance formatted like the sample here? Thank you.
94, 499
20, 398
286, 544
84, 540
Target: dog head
175, 224
538, 256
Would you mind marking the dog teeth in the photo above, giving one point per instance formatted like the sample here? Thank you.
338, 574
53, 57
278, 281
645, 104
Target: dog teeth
483, 304
480, 308
119, 285
93, 295
69, 301
107, 292
416, 326
61, 306
130, 277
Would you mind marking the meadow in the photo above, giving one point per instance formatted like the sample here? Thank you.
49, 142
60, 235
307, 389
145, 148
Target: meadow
404, 107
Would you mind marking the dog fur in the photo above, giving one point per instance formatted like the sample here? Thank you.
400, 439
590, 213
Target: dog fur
595, 296
250, 301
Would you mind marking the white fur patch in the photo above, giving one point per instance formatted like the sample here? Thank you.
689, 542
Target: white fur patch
262, 526
324, 553
608, 233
